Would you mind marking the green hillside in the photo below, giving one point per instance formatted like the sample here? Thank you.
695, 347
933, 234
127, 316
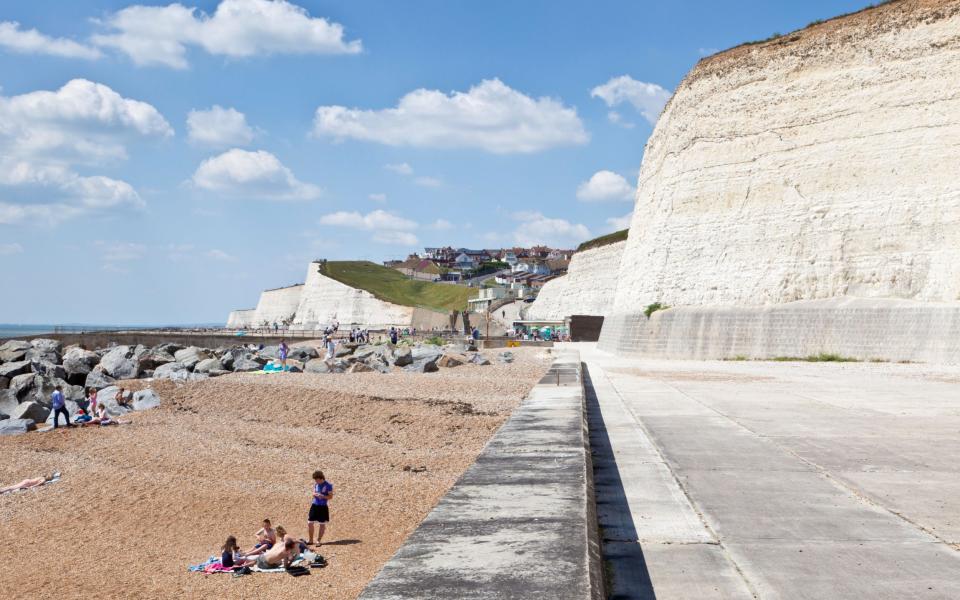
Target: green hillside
604, 240
390, 285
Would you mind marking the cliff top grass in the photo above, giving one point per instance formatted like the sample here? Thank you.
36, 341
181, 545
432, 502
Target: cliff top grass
390, 285
604, 240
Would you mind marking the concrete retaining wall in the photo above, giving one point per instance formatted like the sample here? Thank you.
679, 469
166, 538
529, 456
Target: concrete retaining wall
520, 523
888, 329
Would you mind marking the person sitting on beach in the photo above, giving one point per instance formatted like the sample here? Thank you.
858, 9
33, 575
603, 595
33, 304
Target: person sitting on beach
230, 552
28, 483
103, 418
280, 554
121, 397
283, 536
82, 418
266, 538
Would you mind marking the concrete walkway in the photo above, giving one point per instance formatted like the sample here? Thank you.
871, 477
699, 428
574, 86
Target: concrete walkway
776, 480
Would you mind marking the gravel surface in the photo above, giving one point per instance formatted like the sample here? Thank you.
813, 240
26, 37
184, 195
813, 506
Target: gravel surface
139, 503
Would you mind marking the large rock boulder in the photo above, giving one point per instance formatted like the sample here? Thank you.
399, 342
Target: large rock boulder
505, 357
360, 367
206, 365
153, 358
34, 411
44, 349
304, 353
12, 369
77, 363
16, 426
402, 356
21, 386
344, 349
145, 399
45, 367
269, 352
107, 397
246, 364
452, 360
479, 359
14, 350
8, 402
98, 379
317, 365
170, 349
120, 363
4, 383
189, 357
169, 371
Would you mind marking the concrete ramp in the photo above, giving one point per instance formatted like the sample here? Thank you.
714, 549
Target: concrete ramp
520, 523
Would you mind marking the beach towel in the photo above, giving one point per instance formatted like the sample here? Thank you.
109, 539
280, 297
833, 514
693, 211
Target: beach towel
54, 479
204, 564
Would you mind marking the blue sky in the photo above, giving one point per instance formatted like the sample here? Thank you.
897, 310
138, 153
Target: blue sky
164, 163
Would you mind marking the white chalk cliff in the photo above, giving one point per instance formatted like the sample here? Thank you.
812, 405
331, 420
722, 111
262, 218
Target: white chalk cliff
823, 164
588, 287
324, 300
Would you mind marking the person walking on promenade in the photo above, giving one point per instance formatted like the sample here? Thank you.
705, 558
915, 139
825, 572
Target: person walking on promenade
319, 508
59, 407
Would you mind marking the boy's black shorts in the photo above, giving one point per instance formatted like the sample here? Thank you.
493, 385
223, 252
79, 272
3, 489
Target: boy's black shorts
319, 514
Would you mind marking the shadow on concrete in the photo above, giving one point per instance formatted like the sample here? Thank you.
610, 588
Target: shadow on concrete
624, 564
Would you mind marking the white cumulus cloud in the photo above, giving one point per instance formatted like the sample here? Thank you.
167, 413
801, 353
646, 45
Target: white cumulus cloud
490, 116
31, 41
535, 228
47, 136
378, 197
399, 168
618, 223
605, 185
373, 220
441, 225
256, 174
647, 98
219, 127
10, 249
160, 35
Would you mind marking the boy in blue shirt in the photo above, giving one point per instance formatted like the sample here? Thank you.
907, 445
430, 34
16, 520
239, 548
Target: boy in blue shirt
319, 511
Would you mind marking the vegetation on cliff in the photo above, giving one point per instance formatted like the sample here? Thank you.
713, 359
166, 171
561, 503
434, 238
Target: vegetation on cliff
390, 285
604, 240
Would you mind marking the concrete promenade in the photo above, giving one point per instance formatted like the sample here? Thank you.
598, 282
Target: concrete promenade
776, 480
520, 522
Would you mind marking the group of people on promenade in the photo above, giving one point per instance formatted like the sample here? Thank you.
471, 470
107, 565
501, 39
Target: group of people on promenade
274, 547
86, 408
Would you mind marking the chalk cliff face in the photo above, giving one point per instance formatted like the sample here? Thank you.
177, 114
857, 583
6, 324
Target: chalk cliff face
820, 165
324, 300
277, 305
588, 287
239, 319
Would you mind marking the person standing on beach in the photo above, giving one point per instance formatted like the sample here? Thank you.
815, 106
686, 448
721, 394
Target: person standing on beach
331, 348
319, 510
59, 407
283, 349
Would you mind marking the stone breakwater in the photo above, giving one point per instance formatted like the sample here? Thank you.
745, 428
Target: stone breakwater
31, 370
588, 287
815, 166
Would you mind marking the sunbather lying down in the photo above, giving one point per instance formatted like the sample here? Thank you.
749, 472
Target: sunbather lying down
29, 483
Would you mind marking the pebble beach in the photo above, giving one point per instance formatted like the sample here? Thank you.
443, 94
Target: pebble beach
138, 504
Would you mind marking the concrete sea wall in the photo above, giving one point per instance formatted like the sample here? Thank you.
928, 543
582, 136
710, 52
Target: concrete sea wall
819, 165
865, 329
521, 522
588, 288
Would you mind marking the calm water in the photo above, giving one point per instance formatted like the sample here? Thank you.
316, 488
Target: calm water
8, 330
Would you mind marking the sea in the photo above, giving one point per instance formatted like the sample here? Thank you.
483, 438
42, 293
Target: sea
10, 330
